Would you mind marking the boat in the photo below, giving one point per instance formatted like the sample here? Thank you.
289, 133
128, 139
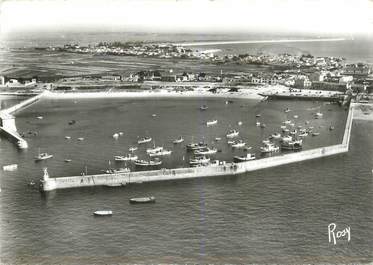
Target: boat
287, 122
331, 128
67, 137
144, 140
206, 151
247, 148
257, 124
42, 156
293, 132
283, 127
128, 157
11, 167
257, 115
239, 144
212, 122
287, 110
81, 139
72, 122
162, 152
276, 136
248, 157
103, 213
287, 138
178, 140
218, 139
121, 133
203, 107
154, 149
266, 141
269, 148
232, 134
199, 160
116, 135
296, 116
22, 144
239, 123
67, 160
303, 134
315, 133
119, 170
151, 163
292, 145
150, 199
39, 117
154, 115
196, 146
263, 125
132, 148
318, 115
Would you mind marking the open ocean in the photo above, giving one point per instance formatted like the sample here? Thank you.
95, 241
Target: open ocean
277, 215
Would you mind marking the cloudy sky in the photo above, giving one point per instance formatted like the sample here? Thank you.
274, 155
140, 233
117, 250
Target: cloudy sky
324, 16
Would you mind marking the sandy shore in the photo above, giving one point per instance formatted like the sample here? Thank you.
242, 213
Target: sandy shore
251, 93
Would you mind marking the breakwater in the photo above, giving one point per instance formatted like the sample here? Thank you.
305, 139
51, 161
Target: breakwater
121, 179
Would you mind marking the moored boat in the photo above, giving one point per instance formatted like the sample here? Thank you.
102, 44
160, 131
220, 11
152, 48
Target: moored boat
276, 136
128, 157
42, 156
248, 157
232, 134
269, 148
144, 140
195, 146
206, 151
211, 122
144, 163
103, 213
203, 107
315, 133
132, 148
150, 199
239, 144
199, 160
154, 149
178, 140
292, 145
162, 152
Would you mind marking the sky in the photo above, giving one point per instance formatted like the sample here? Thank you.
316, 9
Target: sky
197, 16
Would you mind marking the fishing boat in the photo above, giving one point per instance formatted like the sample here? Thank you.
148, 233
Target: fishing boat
287, 138
315, 133
11, 167
154, 149
276, 136
42, 156
305, 134
103, 213
232, 134
269, 148
239, 144
206, 151
144, 140
150, 199
199, 160
203, 107
151, 163
162, 152
212, 122
248, 157
178, 140
292, 145
196, 146
128, 157
132, 149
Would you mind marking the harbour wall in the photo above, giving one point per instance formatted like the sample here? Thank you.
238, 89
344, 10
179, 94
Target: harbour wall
119, 179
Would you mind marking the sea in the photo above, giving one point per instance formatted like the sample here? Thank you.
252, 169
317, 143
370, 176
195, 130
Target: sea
272, 216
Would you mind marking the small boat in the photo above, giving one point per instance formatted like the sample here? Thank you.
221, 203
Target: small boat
263, 125
217, 139
292, 145
67, 160
248, 157
178, 140
238, 144
239, 123
154, 115
154, 149
199, 160
287, 138
305, 134
276, 136
247, 148
144, 140
293, 132
151, 163
162, 152
42, 156
196, 146
269, 148
331, 128
257, 124
232, 134
39, 117
257, 115
296, 116
206, 151
129, 157
72, 122
307, 122
203, 107
287, 122
103, 213
32, 183
67, 137
299, 126
116, 171
116, 135
287, 110
11, 167
81, 139
315, 133
212, 122
150, 199
318, 115
132, 148
283, 127
120, 133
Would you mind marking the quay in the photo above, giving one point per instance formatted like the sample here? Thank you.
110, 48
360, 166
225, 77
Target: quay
121, 179
8, 124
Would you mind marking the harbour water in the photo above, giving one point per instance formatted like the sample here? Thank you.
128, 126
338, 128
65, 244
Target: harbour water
279, 215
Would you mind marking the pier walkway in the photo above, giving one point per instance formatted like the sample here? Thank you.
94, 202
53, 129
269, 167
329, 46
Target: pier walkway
121, 179
8, 124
